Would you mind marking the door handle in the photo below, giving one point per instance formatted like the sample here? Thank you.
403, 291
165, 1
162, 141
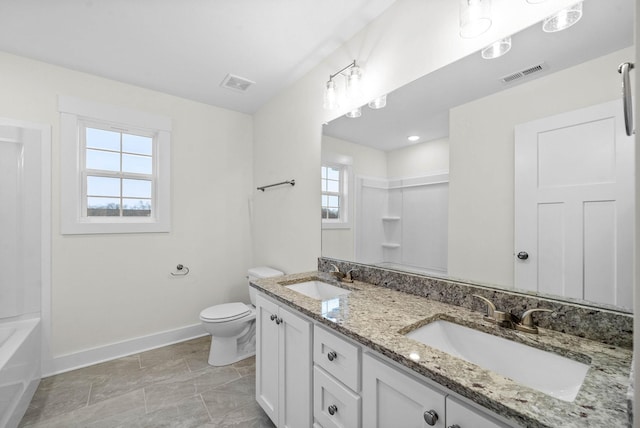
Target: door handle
624, 69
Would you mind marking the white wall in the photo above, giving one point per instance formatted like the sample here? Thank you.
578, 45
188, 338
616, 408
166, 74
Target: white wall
481, 138
420, 159
110, 288
410, 39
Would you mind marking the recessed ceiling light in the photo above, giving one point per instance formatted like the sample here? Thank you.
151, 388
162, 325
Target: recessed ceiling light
413, 138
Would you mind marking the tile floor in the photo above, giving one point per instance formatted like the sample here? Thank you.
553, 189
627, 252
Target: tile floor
171, 386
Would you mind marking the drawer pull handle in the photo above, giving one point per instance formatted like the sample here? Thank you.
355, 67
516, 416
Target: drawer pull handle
430, 417
333, 409
273, 317
332, 355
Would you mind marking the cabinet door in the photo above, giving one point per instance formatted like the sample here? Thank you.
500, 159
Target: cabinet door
335, 406
267, 349
295, 367
391, 398
464, 416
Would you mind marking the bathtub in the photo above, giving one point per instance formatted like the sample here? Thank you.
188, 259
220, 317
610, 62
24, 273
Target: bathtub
20, 343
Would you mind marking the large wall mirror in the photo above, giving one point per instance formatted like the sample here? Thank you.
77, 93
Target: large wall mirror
520, 176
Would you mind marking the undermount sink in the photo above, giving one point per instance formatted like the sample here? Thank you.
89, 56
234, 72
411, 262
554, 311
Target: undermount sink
318, 290
544, 371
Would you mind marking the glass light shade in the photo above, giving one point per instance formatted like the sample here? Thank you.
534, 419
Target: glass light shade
497, 49
563, 19
354, 82
475, 17
379, 102
330, 96
357, 112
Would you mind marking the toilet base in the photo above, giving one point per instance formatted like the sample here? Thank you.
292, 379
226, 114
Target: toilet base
229, 350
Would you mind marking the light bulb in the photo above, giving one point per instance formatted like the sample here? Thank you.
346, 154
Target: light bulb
330, 96
563, 19
357, 112
475, 17
497, 49
378, 103
354, 82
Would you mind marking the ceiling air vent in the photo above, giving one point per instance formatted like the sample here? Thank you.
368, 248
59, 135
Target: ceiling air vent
518, 75
236, 83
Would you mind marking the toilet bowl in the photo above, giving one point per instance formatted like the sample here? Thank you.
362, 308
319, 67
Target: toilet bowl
232, 325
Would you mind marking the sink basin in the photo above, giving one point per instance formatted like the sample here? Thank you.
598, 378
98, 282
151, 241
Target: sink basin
544, 371
318, 290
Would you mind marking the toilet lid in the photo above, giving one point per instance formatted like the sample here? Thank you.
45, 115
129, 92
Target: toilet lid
225, 312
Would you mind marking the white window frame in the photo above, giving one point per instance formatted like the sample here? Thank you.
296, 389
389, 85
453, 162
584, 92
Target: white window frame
76, 114
344, 163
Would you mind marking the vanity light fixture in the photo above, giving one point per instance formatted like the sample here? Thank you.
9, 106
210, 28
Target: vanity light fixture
475, 17
353, 76
356, 112
497, 49
378, 103
563, 19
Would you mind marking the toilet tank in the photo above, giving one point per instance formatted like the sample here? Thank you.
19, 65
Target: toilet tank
257, 273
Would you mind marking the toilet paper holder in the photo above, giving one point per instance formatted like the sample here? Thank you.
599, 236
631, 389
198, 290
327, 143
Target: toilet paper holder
182, 270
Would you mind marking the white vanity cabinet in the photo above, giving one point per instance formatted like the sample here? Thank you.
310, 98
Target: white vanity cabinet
392, 398
462, 415
283, 364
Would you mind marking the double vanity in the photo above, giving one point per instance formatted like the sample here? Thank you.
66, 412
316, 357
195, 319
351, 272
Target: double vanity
336, 354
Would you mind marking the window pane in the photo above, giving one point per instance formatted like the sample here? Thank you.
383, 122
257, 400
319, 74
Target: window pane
101, 139
333, 186
107, 161
136, 207
136, 188
138, 164
324, 171
334, 213
333, 174
137, 144
325, 200
333, 201
103, 186
103, 207
324, 185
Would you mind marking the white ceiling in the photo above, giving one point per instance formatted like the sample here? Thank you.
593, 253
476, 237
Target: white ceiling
422, 107
186, 47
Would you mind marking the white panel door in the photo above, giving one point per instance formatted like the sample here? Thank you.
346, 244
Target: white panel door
574, 199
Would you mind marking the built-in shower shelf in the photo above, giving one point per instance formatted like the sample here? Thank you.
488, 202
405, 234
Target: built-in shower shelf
390, 245
390, 218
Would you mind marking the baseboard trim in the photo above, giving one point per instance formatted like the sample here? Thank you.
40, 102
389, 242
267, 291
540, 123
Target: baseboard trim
88, 357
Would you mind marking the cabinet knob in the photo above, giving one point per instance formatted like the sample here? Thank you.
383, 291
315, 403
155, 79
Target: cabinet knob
332, 355
278, 321
430, 417
333, 409
454, 426
273, 317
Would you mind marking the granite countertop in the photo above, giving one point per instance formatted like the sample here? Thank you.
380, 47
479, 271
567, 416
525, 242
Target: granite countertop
378, 317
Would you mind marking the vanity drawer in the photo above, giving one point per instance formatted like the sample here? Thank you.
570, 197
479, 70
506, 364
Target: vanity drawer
337, 356
334, 406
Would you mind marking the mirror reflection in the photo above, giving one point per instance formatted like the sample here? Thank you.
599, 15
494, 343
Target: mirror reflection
513, 172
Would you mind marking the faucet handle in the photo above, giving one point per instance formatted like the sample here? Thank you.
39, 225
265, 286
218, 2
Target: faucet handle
348, 276
526, 323
491, 308
335, 268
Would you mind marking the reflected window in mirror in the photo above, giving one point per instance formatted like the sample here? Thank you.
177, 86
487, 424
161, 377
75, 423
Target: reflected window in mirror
335, 178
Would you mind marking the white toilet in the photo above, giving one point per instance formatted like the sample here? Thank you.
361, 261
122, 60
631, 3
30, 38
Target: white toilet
233, 325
